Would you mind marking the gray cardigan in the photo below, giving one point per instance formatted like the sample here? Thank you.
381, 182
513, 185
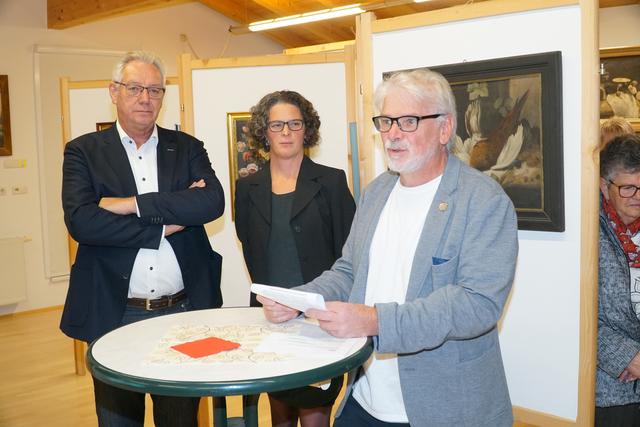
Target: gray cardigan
618, 326
450, 366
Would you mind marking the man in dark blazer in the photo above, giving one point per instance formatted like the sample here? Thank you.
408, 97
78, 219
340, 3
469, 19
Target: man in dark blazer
135, 198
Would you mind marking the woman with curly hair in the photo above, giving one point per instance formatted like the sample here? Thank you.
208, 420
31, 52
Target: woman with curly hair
292, 217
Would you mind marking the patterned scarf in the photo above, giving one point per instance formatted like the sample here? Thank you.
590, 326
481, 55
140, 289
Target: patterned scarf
624, 233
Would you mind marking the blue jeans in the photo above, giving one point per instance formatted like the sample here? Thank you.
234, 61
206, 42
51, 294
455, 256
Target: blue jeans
354, 415
117, 407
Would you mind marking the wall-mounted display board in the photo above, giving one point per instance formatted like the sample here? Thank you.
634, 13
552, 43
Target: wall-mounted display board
214, 90
548, 329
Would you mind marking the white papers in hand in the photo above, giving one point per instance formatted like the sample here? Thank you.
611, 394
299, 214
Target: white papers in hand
291, 298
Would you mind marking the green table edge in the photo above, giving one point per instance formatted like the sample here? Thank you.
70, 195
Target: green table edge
227, 388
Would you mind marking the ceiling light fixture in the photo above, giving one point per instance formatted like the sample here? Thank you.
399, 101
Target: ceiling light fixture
301, 18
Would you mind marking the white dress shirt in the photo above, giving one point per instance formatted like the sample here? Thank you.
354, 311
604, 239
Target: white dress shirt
155, 271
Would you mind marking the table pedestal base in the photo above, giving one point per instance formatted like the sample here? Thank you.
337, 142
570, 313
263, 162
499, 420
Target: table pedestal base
249, 412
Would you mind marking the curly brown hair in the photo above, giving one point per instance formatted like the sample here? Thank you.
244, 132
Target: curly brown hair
258, 124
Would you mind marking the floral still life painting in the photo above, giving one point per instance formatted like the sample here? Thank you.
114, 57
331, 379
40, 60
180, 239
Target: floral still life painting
245, 158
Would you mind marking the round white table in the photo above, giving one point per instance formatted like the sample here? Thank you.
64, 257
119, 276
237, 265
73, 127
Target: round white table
271, 357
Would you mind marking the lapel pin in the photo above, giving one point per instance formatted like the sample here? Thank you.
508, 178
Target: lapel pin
443, 206
171, 149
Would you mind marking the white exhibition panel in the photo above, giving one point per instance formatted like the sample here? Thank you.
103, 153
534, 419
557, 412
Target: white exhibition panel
218, 91
88, 106
540, 329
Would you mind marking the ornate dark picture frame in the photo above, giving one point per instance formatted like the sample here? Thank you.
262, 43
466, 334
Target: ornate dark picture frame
510, 128
5, 117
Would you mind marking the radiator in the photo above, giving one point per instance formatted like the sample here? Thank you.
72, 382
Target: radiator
13, 275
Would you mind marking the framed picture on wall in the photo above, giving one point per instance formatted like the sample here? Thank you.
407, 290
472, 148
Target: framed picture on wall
244, 159
510, 128
619, 84
5, 117
103, 125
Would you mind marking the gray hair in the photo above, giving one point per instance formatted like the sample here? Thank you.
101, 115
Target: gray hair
425, 86
138, 55
611, 128
621, 155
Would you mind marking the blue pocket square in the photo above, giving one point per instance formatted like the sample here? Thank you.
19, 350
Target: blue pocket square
438, 261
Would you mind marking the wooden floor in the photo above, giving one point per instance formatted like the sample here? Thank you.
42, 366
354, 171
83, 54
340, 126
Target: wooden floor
39, 384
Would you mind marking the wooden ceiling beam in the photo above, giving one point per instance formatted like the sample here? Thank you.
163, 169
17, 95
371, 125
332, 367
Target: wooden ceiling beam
69, 13
616, 3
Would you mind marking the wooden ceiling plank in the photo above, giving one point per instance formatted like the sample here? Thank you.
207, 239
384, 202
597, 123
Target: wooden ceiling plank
68, 13
616, 3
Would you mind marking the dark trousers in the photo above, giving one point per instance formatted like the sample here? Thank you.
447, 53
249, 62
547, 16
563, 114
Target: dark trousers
618, 416
354, 415
117, 407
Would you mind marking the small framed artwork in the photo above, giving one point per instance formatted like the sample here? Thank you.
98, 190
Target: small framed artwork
620, 84
244, 159
5, 117
510, 128
103, 125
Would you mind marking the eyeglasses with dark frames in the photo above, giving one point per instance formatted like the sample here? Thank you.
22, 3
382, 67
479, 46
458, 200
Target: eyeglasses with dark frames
626, 191
134, 90
405, 123
293, 125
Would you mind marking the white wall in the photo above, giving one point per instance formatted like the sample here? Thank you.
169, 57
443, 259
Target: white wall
620, 26
540, 329
22, 27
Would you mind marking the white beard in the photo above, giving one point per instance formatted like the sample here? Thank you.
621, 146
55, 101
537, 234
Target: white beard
403, 166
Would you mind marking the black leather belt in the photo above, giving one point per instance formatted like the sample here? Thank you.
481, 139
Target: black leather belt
155, 304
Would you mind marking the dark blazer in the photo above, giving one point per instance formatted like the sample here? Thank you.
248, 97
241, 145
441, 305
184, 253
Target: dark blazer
321, 216
96, 166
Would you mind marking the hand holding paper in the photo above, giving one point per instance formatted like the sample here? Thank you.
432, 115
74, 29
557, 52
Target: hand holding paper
298, 300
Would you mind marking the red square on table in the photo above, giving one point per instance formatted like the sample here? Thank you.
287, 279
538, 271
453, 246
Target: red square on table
205, 347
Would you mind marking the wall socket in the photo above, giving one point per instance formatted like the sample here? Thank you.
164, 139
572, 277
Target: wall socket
19, 189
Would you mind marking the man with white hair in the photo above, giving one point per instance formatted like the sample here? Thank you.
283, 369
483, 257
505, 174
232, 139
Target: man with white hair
426, 271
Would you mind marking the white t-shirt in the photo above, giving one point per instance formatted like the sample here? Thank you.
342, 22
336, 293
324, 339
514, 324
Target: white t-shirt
390, 260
